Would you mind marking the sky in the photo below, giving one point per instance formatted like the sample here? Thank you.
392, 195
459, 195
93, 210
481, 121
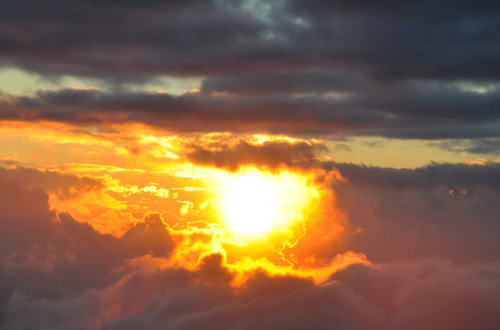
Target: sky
249, 164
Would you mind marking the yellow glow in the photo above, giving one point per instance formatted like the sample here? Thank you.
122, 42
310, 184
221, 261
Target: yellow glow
255, 203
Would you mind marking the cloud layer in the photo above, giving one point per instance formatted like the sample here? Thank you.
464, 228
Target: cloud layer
422, 71
429, 233
391, 40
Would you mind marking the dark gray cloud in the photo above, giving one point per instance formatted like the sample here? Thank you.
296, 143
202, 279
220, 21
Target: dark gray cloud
451, 176
447, 210
269, 154
124, 40
392, 41
292, 67
411, 110
269, 82
114, 40
432, 9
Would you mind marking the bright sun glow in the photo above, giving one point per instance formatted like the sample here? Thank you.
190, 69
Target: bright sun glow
255, 203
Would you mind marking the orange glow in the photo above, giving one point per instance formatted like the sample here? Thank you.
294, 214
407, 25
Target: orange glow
254, 203
257, 217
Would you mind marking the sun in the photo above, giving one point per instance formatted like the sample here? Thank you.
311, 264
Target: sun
251, 204
254, 203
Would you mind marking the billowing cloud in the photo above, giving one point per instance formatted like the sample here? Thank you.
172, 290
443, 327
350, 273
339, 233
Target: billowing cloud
438, 210
114, 212
59, 273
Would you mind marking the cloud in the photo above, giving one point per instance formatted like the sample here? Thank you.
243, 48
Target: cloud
22, 226
433, 176
48, 257
412, 295
447, 210
138, 42
288, 67
428, 293
92, 256
63, 184
411, 110
395, 41
473, 146
269, 82
429, 232
399, 41
392, 41
270, 154
11, 161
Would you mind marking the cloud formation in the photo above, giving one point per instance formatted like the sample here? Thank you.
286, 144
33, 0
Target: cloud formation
390, 40
437, 266
271, 154
410, 110
123, 232
446, 210
421, 71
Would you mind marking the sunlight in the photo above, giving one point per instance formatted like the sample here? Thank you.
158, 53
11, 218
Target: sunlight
254, 203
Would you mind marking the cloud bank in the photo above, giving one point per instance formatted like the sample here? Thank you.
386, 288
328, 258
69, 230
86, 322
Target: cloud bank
419, 71
430, 239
